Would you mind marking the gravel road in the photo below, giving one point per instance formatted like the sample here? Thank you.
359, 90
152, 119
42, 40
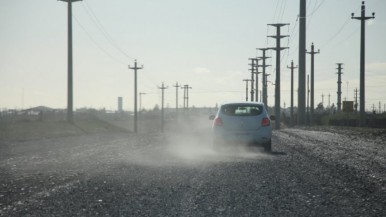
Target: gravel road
309, 173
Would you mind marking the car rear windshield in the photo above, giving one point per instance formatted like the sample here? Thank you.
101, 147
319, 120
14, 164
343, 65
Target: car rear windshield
242, 109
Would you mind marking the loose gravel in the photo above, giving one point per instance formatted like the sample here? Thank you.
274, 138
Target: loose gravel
310, 173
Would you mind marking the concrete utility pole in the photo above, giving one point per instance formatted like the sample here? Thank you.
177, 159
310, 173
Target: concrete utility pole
302, 64
70, 105
257, 80
186, 88
278, 48
356, 99
308, 98
253, 72
379, 110
339, 103
177, 86
264, 76
246, 88
140, 100
312, 53
135, 68
362, 18
292, 67
329, 96
162, 106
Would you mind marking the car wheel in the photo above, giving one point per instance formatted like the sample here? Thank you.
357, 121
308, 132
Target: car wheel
268, 146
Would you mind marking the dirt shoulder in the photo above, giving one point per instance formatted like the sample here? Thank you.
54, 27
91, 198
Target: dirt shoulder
34, 130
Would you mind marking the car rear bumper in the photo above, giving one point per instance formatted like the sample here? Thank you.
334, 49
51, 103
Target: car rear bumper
260, 136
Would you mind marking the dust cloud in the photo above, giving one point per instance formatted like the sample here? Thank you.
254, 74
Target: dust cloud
193, 143
184, 142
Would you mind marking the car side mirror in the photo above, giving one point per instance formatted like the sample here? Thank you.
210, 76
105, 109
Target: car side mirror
272, 117
212, 117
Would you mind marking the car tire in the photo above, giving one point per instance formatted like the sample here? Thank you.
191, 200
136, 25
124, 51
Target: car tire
268, 147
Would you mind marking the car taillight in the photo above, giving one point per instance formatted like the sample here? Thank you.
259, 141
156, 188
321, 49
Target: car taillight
265, 122
217, 122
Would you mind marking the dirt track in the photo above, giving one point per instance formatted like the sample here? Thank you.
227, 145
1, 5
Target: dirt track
310, 173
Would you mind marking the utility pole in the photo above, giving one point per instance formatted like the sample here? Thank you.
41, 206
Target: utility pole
312, 83
246, 88
177, 86
356, 99
70, 105
362, 18
323, 99
308, 98
292, 67
140, 100
140, 109
379, 107
264, 76
257, 79
339, 103
186, 88
254, 70
278, 48
187, 96
329, 96
135, 68
162, 106
302, 64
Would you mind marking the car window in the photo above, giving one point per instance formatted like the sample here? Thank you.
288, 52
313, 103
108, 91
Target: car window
242, 109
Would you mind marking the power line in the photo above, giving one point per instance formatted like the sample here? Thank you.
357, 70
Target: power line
99, 25
96, 44
316, 8
338, 31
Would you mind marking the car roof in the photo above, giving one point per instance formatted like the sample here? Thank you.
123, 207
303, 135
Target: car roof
242, 102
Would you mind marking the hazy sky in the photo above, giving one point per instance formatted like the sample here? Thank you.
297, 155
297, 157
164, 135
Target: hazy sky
203, 43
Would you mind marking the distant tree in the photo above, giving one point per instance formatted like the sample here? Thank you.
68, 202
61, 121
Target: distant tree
156, 107
320, 107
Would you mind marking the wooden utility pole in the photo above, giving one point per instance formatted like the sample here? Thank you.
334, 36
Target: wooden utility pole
135, 68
